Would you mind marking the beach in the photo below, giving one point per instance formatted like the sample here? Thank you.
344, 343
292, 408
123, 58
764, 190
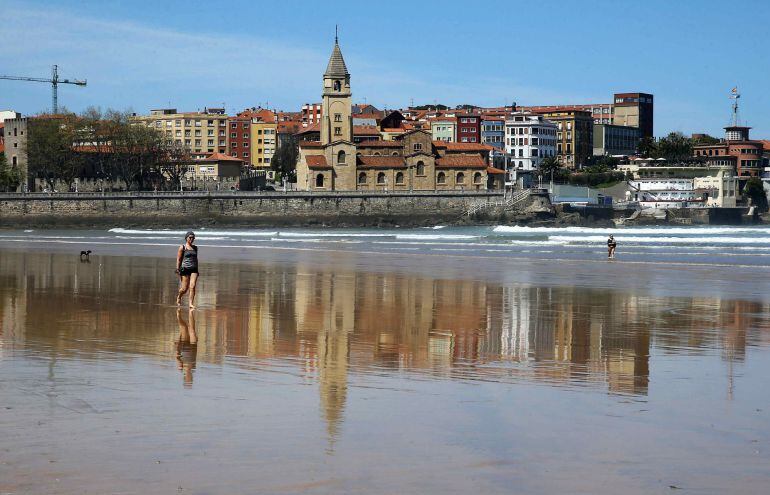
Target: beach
493, 359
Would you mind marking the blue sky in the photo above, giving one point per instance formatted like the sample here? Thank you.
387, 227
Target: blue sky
188, 54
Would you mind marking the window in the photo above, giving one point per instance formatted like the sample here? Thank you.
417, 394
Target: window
197, 133
319, 180
400, 178
337, 85
235, 145
245, 135
381, 178
233, 135
460, 179
197, 142
477, 178
210, 132
338, 117
235, 126
417, 147
341, 158
245, 154
441, 178
245, 145
362, 178
234, 153
211, 142
420, 168
338, 131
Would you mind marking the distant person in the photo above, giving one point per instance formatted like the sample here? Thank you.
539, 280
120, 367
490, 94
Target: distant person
611, 245
187, 268
186, 347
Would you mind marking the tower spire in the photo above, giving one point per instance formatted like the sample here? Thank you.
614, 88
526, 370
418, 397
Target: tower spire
336, 38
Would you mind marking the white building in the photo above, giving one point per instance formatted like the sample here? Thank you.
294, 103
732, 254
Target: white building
528, 139
664, 193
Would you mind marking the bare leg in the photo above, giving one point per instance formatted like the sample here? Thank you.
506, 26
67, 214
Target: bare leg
193, 334
193, 282
184, 283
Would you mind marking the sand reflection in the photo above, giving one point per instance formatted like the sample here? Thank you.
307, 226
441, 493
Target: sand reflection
325, 325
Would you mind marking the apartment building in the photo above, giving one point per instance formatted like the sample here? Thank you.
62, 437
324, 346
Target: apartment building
493, 131
529, 138
444, 129
264, 142
615, 139
574, 136
199, 132
468, 128
239, 138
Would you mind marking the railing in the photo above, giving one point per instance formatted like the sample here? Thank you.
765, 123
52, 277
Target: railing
239, 194
510, 202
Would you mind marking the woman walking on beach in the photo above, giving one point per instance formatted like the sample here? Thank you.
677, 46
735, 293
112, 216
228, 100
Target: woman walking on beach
187, 268
611, 245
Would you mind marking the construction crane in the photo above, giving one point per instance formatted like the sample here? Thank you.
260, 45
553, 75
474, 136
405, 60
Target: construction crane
54, 80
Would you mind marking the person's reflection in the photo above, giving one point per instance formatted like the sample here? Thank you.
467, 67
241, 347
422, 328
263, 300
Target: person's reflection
186, 346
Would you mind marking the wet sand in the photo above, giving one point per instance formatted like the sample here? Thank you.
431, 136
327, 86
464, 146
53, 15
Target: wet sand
321, 371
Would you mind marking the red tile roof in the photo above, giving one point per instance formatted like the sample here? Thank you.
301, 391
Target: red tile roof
462, 146
378, 143
221, 157
317, 162
365, 130
460, 161
765, 144
313, 128
368, 161
493, 170
310, 144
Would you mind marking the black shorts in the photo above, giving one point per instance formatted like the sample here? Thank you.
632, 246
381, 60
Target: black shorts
186, 272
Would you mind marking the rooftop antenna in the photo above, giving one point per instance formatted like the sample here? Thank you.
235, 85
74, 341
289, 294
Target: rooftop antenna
734, 95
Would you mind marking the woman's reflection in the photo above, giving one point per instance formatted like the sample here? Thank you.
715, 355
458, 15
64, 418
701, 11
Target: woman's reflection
186, 346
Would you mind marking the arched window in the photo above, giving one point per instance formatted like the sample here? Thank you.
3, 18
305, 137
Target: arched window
460, 178
395, 153
477, 178
381, 178
319, 180
376, 153
362, 178
337, 85
400, 178
341, 157
441, 178
420, 168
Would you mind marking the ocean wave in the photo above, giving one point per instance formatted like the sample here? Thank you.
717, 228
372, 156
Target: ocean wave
200, 232
332, 234
433, 237
600, 239
506, 229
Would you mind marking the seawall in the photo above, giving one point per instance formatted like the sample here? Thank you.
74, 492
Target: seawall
237, 208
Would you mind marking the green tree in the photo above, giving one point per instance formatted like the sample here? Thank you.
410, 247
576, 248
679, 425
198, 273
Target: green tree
755, 191
674, 147
51, 154
548, 166
10, 177
647, 148
285, 158
705, 139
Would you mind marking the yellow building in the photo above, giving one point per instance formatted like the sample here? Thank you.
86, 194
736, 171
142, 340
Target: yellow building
264, 137
574, 138
199, 132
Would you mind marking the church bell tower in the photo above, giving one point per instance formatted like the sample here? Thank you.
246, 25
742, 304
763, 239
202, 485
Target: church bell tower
337, 122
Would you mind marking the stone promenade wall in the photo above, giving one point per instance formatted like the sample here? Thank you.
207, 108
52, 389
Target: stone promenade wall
259, 209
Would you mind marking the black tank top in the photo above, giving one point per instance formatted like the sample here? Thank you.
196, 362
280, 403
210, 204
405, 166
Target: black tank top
190, 258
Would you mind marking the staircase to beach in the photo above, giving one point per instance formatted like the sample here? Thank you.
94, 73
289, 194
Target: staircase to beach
515, 200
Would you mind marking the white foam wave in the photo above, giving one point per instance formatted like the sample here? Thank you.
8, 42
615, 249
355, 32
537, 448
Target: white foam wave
600, 239
433, 237
226, 233
506, 229
332, 234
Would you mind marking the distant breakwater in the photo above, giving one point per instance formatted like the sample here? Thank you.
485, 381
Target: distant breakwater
238, 209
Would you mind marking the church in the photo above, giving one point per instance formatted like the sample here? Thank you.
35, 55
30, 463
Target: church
410, 162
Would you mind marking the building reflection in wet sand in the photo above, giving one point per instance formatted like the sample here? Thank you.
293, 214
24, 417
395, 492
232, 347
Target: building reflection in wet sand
325, 325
